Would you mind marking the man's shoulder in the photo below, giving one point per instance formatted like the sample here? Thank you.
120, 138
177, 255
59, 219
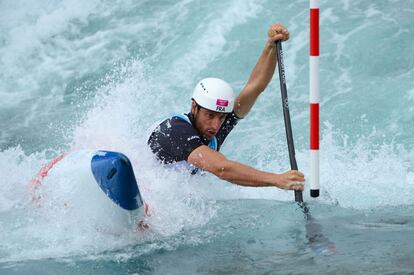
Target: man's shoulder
174, 139
176, 125
177, 122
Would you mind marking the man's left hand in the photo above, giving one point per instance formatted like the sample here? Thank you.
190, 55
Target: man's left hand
277, 32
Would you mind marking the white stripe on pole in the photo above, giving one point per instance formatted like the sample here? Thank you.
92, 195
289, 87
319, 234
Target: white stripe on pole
314, 78
314, 168
314, 4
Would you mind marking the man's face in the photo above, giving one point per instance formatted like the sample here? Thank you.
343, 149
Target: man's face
207, 122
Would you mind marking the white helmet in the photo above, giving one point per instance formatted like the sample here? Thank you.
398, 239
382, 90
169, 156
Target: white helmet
214, 94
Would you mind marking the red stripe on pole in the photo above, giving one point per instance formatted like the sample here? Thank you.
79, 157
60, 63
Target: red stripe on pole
314, 32
314, 126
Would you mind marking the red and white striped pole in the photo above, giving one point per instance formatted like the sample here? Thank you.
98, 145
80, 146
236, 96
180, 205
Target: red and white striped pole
314, 98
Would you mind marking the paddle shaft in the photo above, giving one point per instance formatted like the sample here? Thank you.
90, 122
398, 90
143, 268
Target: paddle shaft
313, 229
286, 115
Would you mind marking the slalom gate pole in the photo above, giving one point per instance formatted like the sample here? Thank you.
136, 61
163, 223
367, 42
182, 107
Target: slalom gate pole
314, 97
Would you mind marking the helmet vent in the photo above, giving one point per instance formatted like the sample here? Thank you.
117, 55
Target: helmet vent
214, 94
204, 88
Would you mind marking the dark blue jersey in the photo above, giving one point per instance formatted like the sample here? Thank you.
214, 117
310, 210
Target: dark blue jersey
175, 138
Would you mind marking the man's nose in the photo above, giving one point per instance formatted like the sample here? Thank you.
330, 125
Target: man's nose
216, 123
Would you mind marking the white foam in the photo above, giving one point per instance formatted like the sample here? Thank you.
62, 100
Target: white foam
134, 94
17, 170
207, 46
364, 175
410, 95
27, 39
372, 11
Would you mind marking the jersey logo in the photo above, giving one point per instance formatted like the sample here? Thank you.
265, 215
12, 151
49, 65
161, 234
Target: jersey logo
191, 138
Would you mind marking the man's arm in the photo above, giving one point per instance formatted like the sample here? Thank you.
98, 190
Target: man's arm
262, 72
214, 162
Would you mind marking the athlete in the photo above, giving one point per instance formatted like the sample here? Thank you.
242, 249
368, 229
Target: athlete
193, 140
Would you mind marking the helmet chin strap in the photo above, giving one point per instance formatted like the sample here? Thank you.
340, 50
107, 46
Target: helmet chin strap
193, 117
197, 107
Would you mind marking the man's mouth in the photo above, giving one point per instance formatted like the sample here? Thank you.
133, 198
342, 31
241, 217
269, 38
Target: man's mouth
211, 133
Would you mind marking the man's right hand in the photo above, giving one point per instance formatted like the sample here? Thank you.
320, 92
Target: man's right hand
291, 180
214, 162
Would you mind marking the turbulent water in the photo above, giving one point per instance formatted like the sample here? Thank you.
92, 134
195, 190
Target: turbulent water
97, 74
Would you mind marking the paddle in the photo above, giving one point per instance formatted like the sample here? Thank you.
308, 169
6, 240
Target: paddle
286, 115
318, 243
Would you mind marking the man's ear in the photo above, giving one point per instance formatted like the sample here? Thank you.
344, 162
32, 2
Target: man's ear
193, 106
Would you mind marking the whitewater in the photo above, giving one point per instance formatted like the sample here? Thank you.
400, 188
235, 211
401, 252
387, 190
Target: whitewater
94, 75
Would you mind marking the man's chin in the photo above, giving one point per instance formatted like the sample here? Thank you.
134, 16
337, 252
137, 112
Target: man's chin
208, 136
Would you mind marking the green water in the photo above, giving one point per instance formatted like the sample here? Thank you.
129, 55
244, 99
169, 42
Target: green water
97, 75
